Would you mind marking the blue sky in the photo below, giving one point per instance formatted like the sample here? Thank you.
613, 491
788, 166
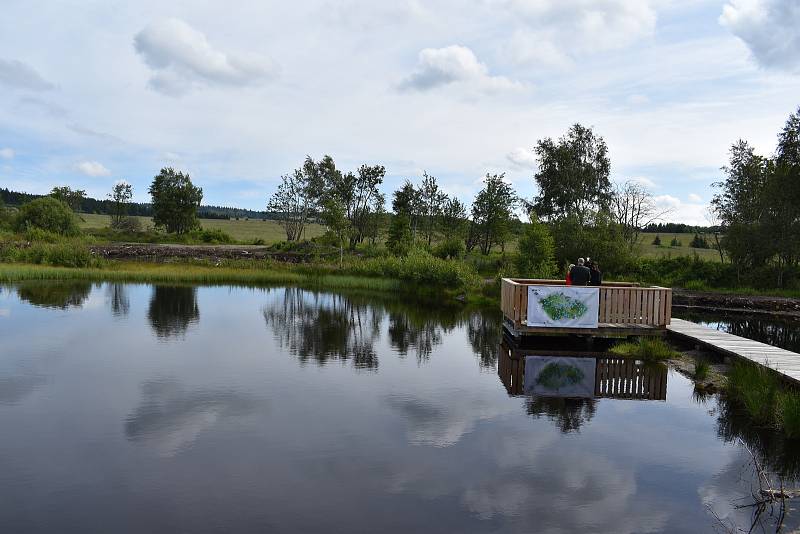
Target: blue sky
237, 93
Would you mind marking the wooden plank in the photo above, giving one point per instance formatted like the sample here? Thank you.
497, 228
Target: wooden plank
785, 362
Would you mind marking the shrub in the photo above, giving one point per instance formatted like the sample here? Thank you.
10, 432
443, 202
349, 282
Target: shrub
657, 240
418, 267
699, 241
213, 236
645, 349
127, 224
701, 368
756, 389
63, 254
536, 252
450, 249
789, 413
48, 214
675, 242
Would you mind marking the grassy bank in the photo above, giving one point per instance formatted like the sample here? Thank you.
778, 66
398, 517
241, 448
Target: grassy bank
195, 274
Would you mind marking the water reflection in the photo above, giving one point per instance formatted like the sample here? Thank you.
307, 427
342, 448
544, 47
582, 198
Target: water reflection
120, 303
170, 417
563, 389
322, 327
484, 333
172, 310
54, 294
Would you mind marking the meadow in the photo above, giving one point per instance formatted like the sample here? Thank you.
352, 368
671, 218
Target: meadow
245, 231
649, 250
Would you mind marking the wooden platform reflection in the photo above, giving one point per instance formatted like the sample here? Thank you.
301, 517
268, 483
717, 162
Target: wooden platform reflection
616, 378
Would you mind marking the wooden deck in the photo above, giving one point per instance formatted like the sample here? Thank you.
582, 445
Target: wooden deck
784, 362
625, 309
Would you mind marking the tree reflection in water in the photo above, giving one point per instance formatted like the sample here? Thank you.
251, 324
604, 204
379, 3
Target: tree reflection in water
54, 294
568, 414
484, 332
320, 327
172, 310
772, 330
120, 303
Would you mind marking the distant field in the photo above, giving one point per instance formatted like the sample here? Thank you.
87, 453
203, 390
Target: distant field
649, 250
245, 231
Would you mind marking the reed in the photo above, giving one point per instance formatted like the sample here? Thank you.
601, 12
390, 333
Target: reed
788, 413
646, 349
756, 389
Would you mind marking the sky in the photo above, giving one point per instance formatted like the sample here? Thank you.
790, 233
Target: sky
237, 93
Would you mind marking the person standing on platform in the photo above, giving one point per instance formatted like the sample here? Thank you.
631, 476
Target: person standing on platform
580, 274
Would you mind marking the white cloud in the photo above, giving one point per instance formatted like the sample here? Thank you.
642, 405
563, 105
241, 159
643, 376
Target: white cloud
6, 153
454, 64
693, 197
20, 75
92, 168
638, 100
554, 32
523, 158
181, 57
692, 212
770, 28
644, 181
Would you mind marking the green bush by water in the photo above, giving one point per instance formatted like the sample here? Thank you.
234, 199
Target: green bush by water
646, 349
756, 390
419, 268
789, 413
48, 214
701, 368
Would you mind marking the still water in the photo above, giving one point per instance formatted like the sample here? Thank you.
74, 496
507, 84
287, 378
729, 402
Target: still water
137, 408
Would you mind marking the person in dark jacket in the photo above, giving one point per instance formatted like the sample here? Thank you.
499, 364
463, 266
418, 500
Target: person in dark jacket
595, 274
580, 274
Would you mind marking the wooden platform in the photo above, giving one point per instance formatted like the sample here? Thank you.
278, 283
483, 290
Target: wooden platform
607, 330
785, 362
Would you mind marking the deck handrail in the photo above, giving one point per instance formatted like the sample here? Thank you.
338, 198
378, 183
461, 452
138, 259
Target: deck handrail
620, 302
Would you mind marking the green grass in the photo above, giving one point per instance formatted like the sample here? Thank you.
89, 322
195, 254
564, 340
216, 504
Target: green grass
789, 413
241, 230
756, 389
648, 250
646, 349
701, 368
196, 274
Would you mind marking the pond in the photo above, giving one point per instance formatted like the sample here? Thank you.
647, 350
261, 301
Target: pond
137, 408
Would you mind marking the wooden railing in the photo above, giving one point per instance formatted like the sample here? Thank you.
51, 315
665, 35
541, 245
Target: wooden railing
620, 302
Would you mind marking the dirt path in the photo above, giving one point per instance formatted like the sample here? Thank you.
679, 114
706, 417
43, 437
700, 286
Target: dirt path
166, 252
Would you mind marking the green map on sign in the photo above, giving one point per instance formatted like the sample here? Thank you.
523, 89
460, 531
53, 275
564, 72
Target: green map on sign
559, 306
557, 375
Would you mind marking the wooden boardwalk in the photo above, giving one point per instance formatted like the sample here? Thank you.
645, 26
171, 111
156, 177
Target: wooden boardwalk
785, 362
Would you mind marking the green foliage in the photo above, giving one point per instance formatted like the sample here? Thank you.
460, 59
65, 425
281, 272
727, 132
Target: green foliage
573, 176
756, 389
126, 224
657, 240
450, 249
65, 253
699, 241
297, 196
701, 368
399, 240
212, 236
418, 267
71, 197
492, 213
121, 194
789, 413
647, 349
175, 201
602, 241
759, 205
47, 213
675, 242
535, 256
